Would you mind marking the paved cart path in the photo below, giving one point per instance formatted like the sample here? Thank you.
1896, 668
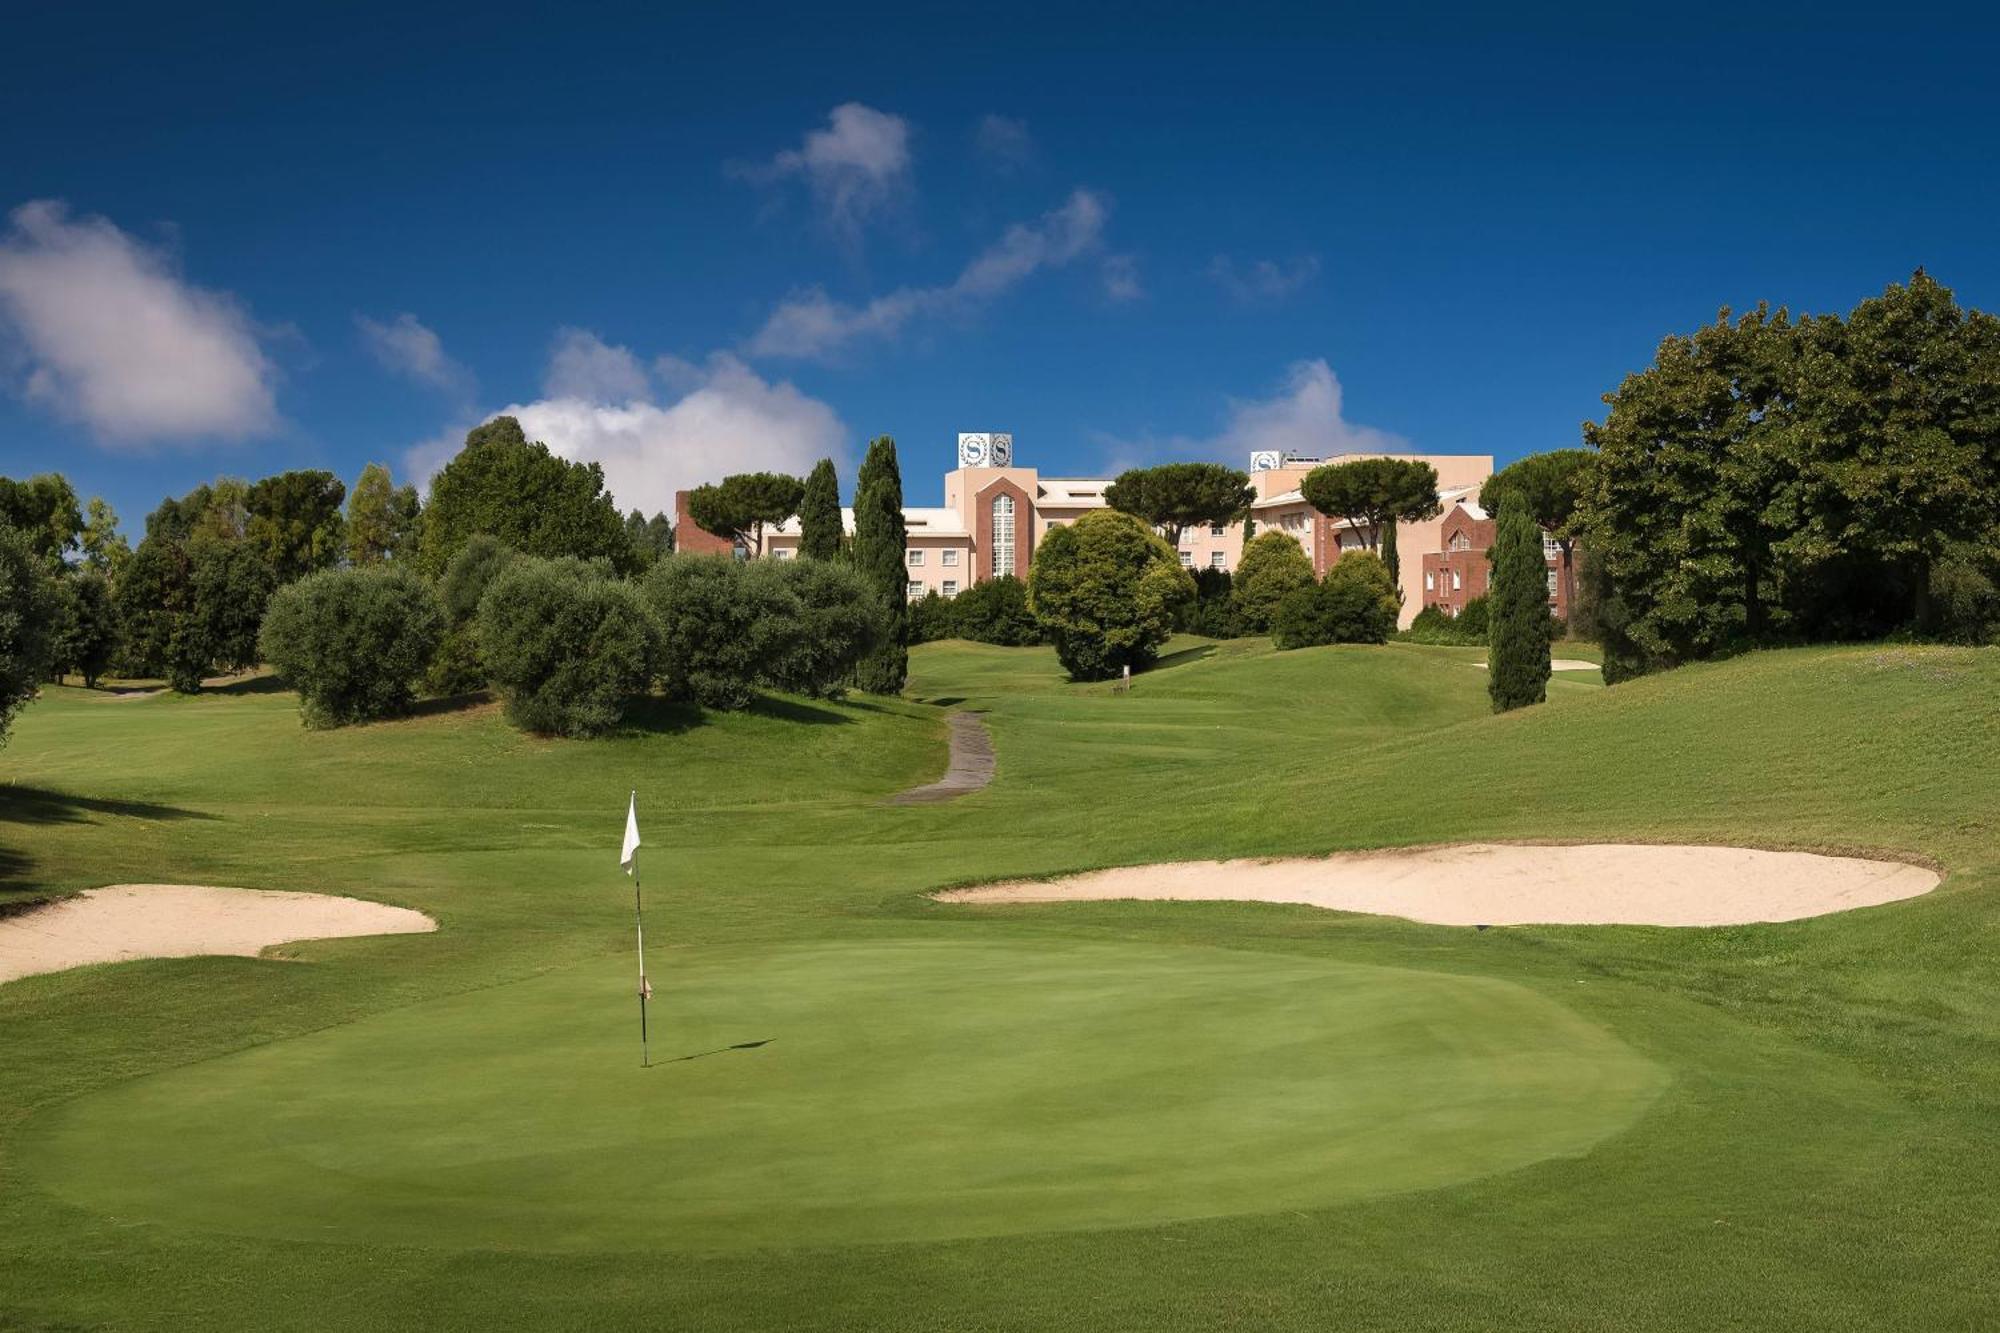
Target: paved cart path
970, 769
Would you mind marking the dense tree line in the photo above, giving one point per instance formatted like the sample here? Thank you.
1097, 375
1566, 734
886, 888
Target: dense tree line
1771, 479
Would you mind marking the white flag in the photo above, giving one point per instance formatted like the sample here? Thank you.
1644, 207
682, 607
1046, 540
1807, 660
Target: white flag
631, 834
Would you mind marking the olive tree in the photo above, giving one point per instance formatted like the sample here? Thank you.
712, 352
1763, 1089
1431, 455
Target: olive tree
27, 614
568, 646
352, 642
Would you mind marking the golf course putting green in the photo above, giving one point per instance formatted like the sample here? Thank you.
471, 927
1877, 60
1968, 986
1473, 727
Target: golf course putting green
855, 1091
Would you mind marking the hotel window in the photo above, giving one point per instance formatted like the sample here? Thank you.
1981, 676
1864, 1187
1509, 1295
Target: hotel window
783, 553
1430, 581
1216, 529
1187, 559
913, 590
1215, 560
1552, 585
1003, 535
915, 557
1456, 582
949, 559
1460, 542
951, 587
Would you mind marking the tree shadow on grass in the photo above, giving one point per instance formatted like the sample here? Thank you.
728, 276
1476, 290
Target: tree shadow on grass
450, 703
654, 716
1184, 657
264, 684
33, 805
797, 710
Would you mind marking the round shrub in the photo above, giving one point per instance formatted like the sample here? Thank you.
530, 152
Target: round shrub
1355, 603
352, 642
1273, 567
816, 620
708, 627
996, 611
568, 646
27, 623
456, 668
1107, 591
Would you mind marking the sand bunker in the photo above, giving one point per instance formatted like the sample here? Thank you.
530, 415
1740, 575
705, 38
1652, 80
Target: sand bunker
1561, 664
1506, 885
127, 921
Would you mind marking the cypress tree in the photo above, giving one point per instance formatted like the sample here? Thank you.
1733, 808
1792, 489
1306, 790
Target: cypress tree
819, 514
1517, 659
879, 542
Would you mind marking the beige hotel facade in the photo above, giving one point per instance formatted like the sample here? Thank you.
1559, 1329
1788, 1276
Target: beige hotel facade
996, 511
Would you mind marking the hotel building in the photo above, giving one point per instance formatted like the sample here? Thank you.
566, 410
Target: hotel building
995, 513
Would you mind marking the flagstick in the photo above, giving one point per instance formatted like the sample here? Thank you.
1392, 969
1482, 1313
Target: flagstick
639, 920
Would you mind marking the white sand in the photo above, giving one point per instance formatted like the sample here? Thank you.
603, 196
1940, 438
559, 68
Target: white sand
1561, 664
1507, 885
127, 921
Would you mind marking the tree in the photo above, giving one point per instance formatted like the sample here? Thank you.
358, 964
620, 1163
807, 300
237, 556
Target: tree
568, 646
1213, 612
295, 523
1517, 659
104, 547
995, 611
879, 541
1552, 485
1273, 566
27, 615
229, 585
709, 628
739, 507
1107, 591
352, 642
191, 598
382, 518
456, 667
1375, 494
1176, 496
1357, 602
85, 639
44, 511
651, 538
830, 621
820, 534
507, 487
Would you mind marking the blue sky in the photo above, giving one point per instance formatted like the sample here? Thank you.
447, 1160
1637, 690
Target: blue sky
687, 241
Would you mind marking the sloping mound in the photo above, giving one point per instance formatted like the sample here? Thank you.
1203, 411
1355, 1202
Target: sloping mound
1470, 884
128, 921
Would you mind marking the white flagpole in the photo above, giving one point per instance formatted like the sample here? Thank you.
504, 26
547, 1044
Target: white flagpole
630, 860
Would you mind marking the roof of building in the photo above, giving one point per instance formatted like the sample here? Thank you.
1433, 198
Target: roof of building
1466, 498
1082, 492
919, 522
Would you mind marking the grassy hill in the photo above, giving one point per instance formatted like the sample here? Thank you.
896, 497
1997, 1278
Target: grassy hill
1804, 1137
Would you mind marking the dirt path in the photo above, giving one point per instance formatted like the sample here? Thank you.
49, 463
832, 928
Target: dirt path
1508, 885
970, 767
127, 921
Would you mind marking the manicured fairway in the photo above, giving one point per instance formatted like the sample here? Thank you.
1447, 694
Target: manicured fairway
1034, 1086
1031, 1118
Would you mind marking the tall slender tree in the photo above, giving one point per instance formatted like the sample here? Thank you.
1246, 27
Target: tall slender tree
819, 514
879, 541
1517, 658
1552, 484
381, 518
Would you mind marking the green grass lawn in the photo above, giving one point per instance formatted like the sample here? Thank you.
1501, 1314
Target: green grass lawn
909, 1115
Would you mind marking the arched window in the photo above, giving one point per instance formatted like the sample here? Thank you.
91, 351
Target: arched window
1003, 535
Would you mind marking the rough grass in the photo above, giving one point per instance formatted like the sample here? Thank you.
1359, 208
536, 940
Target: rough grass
1820, 1152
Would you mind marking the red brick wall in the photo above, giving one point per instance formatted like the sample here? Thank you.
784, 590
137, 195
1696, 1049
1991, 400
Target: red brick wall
982, 529
688, 537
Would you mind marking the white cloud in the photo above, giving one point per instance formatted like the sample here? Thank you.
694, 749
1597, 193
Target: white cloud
855, 167
1305, 416
726, 419
405, 346
1121, 278
112, 336
1263, 281
1004, 142
583, 365
811, 324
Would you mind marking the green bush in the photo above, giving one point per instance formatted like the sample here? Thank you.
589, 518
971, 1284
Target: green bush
816, 620
1273, 567
352, 642
568, 646
1355, 603
996, 611
931, 618
1466, 629
27, 616
1107, 591
1212, 613
707, 621
456, 668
